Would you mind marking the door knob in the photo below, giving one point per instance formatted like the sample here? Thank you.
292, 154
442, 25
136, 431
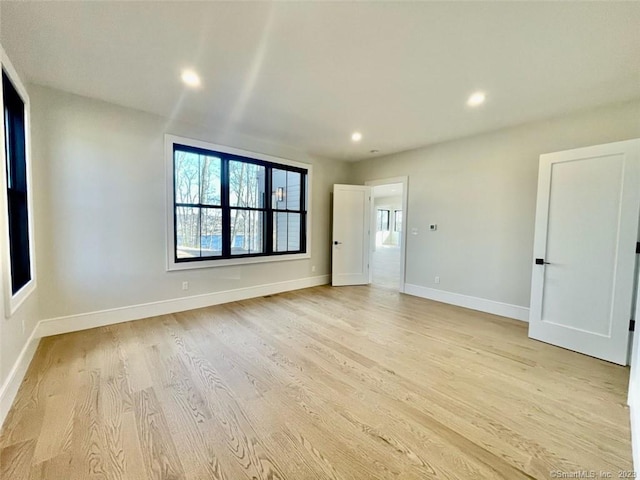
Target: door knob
337, 242
540, 261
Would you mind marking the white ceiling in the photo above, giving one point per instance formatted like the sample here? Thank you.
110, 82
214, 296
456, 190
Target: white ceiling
308, 74
388, 190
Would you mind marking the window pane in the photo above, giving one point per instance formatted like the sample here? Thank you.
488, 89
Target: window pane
211, 236
293, 232
19, 240
293, 190
398, 221
16, 168
279, 232
286, 232
279, 186
247, 227
246, 184
187, 177
286, 189
383, 220
210, 180
197, 178
187, 232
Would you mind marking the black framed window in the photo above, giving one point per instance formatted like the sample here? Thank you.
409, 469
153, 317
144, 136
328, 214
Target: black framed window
229, 206
397, 220
16, 174
383, 220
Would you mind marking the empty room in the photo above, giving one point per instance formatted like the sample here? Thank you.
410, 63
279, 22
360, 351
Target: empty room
319, 240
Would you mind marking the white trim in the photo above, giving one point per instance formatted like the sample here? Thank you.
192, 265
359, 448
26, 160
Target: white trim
474, 303
83, 321
172, 265
11, 385
13, 301
634, 410
403, 237
634, 420
239, 261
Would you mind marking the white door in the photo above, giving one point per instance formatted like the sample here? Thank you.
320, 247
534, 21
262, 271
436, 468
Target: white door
350, 244
584, 249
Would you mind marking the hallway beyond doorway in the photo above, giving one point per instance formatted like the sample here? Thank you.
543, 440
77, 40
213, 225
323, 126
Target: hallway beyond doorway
385, 262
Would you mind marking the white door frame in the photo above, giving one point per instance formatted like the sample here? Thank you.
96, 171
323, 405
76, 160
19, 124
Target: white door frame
403, 237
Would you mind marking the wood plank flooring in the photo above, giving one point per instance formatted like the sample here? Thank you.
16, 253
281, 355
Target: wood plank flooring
385, 266
322, 383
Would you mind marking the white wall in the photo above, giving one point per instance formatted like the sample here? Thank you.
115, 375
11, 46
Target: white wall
16, 331
101, 210
102, 215
481, 192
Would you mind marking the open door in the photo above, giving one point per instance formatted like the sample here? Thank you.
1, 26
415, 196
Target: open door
350, 244
584, 249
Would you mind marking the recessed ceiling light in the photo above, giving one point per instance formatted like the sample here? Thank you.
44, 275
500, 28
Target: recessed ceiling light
476, 99
190, 78
356, 136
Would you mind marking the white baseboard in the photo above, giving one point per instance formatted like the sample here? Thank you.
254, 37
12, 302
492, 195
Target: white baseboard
83, 321
634, 419
474, 303
11, 385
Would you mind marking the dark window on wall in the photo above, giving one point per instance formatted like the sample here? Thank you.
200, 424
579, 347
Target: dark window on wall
228, 206
383, 220
397, 220
16, 171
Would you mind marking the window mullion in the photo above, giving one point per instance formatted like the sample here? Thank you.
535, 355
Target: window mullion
226, 209
303, 214
268, 224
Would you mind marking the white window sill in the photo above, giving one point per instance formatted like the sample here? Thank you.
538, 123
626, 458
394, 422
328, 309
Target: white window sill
173, 266
13, 302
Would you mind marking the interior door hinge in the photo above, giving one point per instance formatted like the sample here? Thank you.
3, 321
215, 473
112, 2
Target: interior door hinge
632, 325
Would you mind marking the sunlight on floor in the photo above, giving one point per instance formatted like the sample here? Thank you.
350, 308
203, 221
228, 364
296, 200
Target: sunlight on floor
386, 266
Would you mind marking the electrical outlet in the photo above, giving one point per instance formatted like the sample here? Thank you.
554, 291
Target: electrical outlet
185, 285
436, 280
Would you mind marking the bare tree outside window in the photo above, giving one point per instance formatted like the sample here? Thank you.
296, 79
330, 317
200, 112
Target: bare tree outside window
247, 191
198, 206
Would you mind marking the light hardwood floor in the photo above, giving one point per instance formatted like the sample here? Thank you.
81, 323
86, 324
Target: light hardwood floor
323, 383
385, 267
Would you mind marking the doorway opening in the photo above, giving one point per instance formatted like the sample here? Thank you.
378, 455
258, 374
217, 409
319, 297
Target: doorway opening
387, 239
